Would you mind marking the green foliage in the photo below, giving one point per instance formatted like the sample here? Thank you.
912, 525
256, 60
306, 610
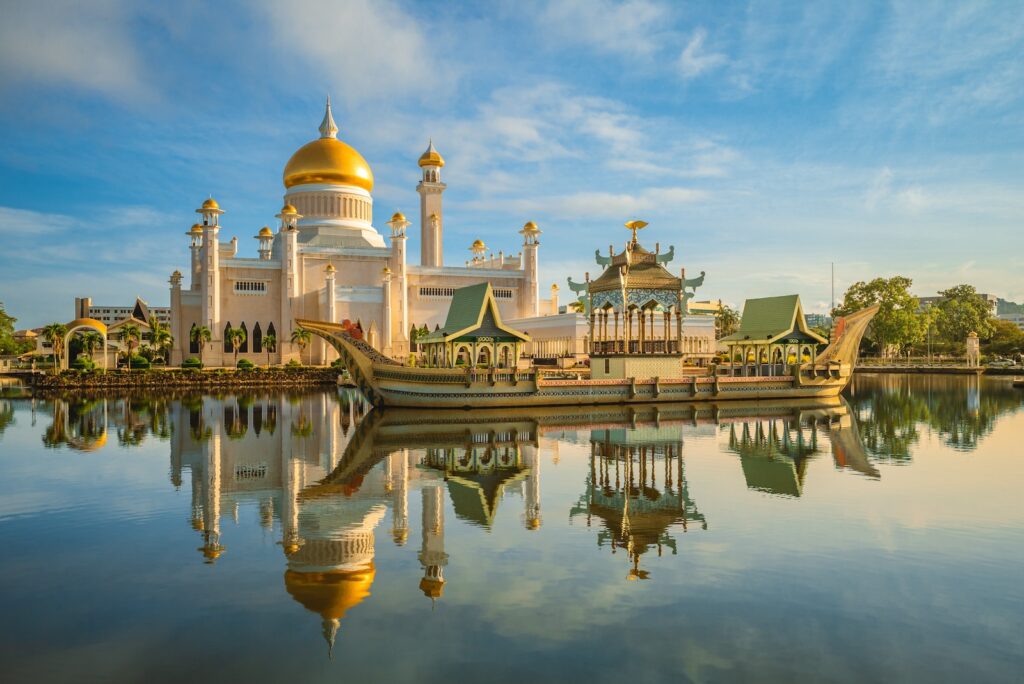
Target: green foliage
245, 365
727, 321
83, 363
139, 362
200, 335
962, 311
899, 322
192, 362
293, 364
54, 334
1006, 339
7, 343
302, 338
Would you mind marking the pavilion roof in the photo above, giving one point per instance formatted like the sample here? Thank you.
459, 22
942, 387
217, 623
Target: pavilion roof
640, 269
467, 311
769, 319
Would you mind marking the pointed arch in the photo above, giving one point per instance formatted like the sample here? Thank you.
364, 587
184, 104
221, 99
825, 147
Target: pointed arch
193, 344
244, 349
257, 339
227, 342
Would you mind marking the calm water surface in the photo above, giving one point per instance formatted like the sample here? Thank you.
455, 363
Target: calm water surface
301, 537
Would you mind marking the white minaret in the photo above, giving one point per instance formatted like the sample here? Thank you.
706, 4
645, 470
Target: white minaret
289, 236
431, 218
385, 340
265, 238
399, 465
432, 555
210, 284
331, 309
531, 293
399, 268
196, 247
179, 342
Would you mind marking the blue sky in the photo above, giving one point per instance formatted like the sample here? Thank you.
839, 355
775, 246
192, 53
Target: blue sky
764, 140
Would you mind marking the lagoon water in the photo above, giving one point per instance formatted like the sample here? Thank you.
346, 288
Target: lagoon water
302, 537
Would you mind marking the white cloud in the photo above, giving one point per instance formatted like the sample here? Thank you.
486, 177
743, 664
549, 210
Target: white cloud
630, 28
367, 50
694, 60
85, 45
601, 204
24, 222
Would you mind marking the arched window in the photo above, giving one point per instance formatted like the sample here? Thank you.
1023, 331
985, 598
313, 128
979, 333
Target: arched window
244, 349
193, 343
227, 343
257, 339
270, 331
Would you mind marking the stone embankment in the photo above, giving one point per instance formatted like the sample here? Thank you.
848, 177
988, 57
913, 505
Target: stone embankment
182, 379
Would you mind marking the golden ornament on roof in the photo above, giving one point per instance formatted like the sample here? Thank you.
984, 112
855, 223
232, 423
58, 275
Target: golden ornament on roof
431, 157
266, 232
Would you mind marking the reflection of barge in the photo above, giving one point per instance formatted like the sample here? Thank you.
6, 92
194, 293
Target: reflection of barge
636, 309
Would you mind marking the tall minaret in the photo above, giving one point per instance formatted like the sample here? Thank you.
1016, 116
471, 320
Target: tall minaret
179, 344
289, 236
431, 218
210, 283
432, 555
385, 339
530, 302
196, 246
399, 269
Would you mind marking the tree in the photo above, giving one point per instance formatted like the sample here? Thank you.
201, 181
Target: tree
270, 344
7, 343
727, 321
301, 337
1006, 339
961, 312
237, 337
91, 341
162, 339
54, 334
201, 336
898, 323
130, 335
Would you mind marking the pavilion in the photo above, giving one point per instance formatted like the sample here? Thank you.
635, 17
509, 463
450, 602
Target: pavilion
473, 334
773, 335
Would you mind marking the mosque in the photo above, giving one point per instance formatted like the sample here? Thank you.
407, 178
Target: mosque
327, 261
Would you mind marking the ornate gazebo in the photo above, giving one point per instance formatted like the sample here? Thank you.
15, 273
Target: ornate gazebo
636, 309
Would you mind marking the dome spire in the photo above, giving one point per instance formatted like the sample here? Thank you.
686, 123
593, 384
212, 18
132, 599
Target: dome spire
328, 129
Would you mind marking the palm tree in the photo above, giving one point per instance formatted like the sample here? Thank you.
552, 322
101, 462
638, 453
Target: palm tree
162, 339
130, 335
301, 337
54, 334
270, 344
91, 341
200, 335
236, 336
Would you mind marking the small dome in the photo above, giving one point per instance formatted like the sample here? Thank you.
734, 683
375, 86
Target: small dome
478, 246
289, 209
330, 268
530, 227
386, 271
211, 204
431, 157
195, 230
398, 216
972, 334
266, 232
432, 588
177, 273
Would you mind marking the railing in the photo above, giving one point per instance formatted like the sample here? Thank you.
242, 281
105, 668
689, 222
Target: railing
635, 347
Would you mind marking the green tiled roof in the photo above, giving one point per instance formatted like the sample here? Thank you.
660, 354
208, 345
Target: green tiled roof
770, 317
465, 313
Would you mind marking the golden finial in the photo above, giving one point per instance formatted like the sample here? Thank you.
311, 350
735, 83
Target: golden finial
635, 226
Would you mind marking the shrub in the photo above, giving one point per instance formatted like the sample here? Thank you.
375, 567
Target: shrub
83, 363
293, 364
192, 362
245, 365
139, 362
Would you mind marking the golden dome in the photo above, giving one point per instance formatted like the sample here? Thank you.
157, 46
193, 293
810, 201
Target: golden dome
431, 157
398, 216
211, 204
266, 232
530, 227
329, 594
478, 245
196, 230
289, 209
328, 160
330, 268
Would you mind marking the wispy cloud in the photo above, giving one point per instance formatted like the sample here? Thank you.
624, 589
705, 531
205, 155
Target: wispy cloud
695, 60
84, 45
630, 29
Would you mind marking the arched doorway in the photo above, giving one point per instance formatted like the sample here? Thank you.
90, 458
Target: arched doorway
84, 324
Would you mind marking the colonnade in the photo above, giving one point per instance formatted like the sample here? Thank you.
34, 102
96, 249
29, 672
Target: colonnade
640, 331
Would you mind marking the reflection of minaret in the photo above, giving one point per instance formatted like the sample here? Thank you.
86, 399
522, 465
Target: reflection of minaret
211, 547
398, 466
290, 514
531, 487
432, 555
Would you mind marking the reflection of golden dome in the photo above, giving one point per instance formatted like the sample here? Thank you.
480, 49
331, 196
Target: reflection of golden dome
84, 444
329, 594
533, 524
432, 588
431, 157
328, 160
266, 232
400, 535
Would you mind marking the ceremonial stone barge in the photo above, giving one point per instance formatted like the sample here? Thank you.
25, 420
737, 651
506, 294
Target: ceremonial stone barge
635, 308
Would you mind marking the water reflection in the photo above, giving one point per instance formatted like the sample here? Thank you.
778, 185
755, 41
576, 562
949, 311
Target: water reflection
894, 411
325, 472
